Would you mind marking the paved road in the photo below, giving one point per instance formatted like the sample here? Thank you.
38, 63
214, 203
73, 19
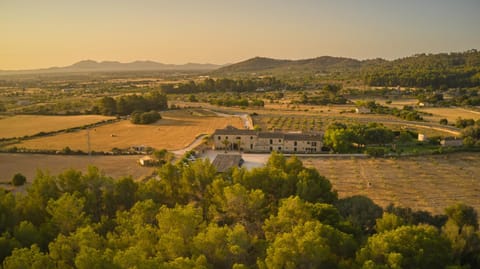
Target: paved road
195, 143
247, 121
198, 141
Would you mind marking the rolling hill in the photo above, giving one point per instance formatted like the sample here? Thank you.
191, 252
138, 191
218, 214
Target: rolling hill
455, 69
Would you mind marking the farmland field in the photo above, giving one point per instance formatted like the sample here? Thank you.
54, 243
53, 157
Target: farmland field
317, 122
22, 125
423, 183
27, 164
175, 130
450, 113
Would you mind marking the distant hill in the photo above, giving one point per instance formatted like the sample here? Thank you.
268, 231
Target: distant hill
266, 65
254, 64
108, 66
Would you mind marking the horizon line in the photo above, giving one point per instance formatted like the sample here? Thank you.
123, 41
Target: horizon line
226, 64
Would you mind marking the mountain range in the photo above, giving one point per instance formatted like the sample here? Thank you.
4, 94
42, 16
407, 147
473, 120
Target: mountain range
109, 66
468, 60
256, 64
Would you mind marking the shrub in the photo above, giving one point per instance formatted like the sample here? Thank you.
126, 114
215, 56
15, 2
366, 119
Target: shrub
145, 117
376, 152
18, 179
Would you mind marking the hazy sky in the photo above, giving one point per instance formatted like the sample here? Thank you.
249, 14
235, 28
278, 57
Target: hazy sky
43, 33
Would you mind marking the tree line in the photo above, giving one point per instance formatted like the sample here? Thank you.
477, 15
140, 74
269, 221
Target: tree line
406, 113
126, 105
329, 94
283, 215
236, 101
224, 85
470, 131
458, 97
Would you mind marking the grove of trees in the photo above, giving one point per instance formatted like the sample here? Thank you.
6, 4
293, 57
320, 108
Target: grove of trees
342, 138
283, 215
406, 113
329, 94
145, 117
470, 131
128, 104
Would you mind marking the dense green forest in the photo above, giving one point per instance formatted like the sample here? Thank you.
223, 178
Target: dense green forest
428, 70
283, 215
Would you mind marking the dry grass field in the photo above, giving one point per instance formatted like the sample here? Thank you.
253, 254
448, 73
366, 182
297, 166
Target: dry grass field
27, 164
22, 125
449, 113
423, 183
175, 130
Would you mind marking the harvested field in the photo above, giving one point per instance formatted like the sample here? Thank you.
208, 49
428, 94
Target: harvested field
428, 183
27, 164
18, 126
175, 130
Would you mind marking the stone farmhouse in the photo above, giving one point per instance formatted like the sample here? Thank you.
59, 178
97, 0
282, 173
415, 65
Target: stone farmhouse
245, 140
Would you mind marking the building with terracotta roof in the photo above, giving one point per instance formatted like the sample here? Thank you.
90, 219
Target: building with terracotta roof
244, 140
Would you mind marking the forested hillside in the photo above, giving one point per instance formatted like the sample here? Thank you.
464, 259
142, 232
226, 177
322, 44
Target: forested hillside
280, 216
422, 70
448, 70
262, 65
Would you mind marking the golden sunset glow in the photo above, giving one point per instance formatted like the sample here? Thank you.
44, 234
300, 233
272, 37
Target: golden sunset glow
48, 33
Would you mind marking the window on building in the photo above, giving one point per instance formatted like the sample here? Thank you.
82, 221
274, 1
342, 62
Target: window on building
251, 137
271, 148
279, 148
295, 149
238, 137
251, 146
314, 144
279, 140
295, 143
308, 142
271, 141
219, 138
226, 137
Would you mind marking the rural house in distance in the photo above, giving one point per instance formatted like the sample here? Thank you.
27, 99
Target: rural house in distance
232, 138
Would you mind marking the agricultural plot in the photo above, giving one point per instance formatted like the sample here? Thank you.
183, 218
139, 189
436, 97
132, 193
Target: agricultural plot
22, 125
310, 121
27, 164
428, 183
319, 121
449, 113
175, 130
294, 123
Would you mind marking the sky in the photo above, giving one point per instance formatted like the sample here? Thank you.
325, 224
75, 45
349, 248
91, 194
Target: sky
45, 33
